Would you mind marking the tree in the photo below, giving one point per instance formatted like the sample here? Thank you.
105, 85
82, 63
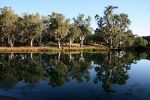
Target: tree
8, 25
112, 28
129, 39
58, 26
140, 42
100, 32
121, 31
84, 25
72, 34
32, 26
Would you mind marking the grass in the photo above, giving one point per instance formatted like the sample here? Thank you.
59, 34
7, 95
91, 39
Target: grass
51, 49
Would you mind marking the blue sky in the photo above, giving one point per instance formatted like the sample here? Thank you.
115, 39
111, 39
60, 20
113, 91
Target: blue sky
138, 10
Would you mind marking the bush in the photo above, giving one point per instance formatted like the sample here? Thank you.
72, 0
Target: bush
140, 42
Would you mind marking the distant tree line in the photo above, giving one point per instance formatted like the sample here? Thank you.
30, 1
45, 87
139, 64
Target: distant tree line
33, 29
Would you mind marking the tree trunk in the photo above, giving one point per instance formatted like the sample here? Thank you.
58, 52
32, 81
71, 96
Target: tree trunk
70, 56
59, 44
31, 42
81, 41
10, 42
59, 56
11, 56
110, 57
32, 59
70, 42
31, 55
110, 43
81, 57
119, 44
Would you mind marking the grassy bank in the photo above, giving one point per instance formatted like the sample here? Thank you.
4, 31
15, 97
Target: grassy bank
50, 49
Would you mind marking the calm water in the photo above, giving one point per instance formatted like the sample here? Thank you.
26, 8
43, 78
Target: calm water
70, 76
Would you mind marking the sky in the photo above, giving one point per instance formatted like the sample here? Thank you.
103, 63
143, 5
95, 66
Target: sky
138, 10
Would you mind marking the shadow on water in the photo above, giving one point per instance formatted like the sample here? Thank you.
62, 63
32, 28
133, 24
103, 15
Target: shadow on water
25, 71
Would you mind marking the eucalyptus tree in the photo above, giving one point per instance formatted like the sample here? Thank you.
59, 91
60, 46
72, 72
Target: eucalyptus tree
105, 24
129, 39
32, 27
58, 26
84, 25
112, 27
140, 42
72, 34
121, 32
8, 25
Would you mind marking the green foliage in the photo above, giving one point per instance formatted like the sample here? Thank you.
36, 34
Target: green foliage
8, 24
128, 43
112, 28
84, 26
112, 31
58, 26
128, 39
32, 26
73, 32
140, 42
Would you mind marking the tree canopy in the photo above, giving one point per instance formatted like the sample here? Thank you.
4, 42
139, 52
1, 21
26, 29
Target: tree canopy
113, 29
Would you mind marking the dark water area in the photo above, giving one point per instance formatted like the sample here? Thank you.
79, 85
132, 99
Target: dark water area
75, 76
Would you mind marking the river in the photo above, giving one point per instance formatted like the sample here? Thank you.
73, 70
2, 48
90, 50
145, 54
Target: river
75, 76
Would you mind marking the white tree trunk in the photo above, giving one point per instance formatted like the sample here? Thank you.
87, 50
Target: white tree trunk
11, 56
10, 42
59, 44
59, 54
70, 56
81, 57
31, 42
31, 55
70, 42
81, 41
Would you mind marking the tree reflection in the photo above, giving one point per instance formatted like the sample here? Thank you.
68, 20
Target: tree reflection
114, 69
58, 69
57, 73
20, 67
79, 68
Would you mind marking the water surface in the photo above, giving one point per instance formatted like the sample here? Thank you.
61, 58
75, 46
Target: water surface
74, 76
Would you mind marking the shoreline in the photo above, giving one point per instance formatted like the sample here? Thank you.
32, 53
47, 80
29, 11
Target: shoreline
51, 49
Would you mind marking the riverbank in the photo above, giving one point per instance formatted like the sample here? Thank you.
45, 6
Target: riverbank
50, 49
